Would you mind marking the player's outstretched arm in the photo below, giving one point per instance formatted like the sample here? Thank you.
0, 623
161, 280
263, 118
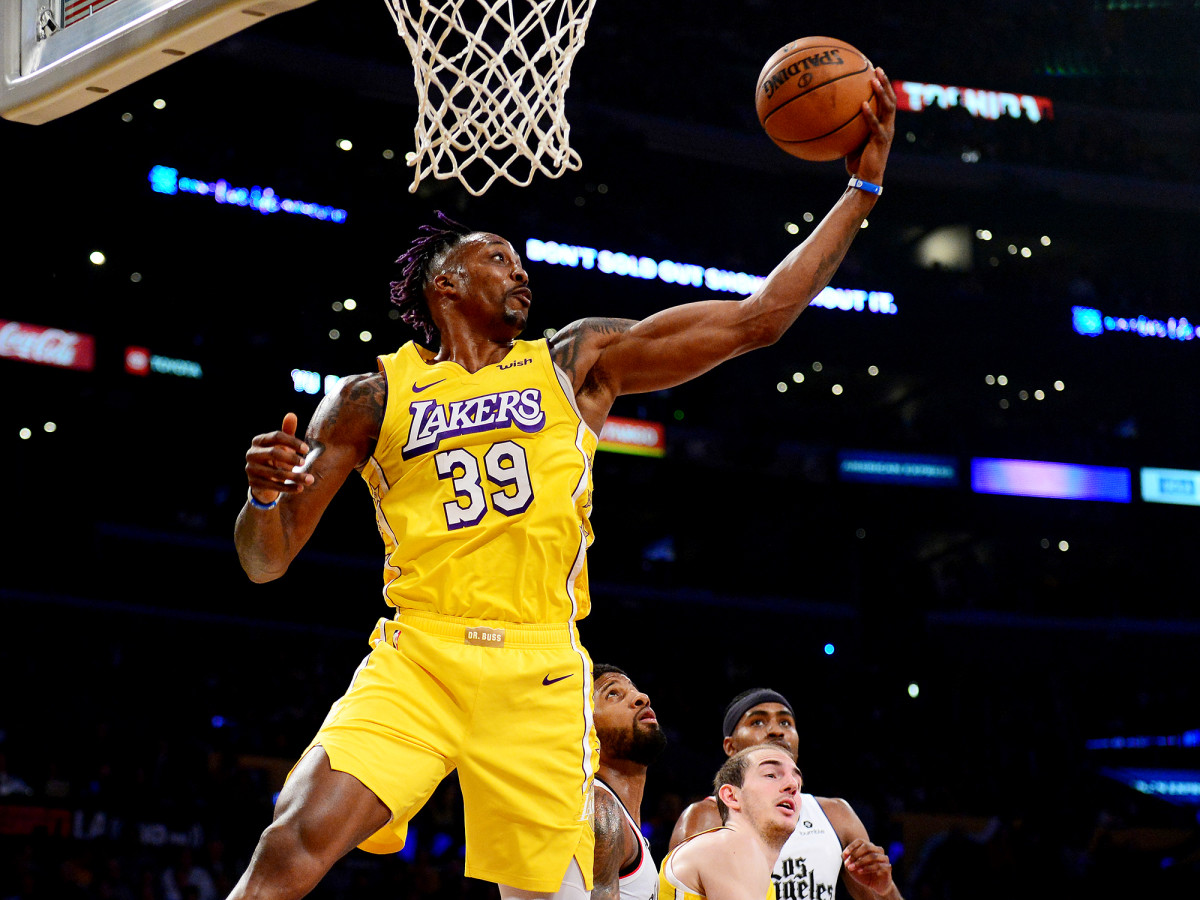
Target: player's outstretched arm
303, 475
609, 357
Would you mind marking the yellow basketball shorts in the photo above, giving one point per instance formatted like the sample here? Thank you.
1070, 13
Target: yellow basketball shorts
509, 706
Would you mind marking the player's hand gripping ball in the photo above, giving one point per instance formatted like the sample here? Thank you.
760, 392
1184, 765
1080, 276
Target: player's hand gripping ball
810, 96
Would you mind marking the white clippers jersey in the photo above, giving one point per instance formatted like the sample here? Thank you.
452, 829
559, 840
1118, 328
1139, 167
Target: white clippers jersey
639, 881
811, 861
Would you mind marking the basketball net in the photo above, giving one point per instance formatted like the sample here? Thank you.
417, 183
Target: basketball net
491, 87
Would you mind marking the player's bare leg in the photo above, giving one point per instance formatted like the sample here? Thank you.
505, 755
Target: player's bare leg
321, 816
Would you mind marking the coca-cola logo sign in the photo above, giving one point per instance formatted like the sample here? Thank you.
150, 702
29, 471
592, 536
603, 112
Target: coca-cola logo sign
47, 346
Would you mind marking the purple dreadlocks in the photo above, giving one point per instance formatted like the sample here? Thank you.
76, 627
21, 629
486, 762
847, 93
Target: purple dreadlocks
409, 292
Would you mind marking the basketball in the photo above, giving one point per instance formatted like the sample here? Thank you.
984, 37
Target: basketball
809, 98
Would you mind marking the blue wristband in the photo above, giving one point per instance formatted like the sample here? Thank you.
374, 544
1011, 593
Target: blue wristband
258, 504
875, 189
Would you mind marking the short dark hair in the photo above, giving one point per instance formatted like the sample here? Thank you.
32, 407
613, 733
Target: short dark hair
733, 771
409, 292
600, 669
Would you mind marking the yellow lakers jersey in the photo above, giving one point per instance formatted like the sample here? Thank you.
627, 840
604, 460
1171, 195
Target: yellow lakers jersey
483, 486
671, 888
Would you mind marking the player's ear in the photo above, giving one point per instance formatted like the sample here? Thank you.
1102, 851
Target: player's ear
727, 745
443, 283
730, 796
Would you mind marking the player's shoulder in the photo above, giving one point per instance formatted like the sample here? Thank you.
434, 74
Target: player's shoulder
699, 816
584, 336
699, 845
356, 403
709, 851
591, 328
842, 816
695, 818
359, 388
607, 808
834, 804
702, 805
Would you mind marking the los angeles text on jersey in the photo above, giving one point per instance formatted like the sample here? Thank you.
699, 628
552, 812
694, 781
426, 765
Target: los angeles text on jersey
433, 422
799, 882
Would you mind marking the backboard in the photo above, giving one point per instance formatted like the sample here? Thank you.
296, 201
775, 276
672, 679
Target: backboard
61, 55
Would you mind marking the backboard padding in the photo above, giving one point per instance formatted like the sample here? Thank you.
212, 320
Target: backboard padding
66, 67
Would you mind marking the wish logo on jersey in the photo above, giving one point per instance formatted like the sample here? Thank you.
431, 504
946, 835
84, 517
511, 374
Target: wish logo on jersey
433, 422
795, 880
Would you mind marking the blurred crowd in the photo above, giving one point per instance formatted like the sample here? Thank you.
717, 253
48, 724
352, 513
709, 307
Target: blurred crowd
141, 757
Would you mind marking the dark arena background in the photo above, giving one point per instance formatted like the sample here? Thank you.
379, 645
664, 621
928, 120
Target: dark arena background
993, 661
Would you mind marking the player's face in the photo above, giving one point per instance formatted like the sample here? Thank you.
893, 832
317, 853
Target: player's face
496, 286
769, 796
625, 721
764, 723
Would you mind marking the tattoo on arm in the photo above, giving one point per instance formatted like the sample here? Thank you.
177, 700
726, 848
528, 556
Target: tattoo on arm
370, 395
357, 409
609, 826
568, 346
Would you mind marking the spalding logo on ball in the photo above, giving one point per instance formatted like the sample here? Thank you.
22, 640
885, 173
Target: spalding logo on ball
810, 96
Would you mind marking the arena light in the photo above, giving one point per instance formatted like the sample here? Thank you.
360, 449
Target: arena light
1051, 480
1180, 487
166, 180
306, 381
633, 436
632, 265
915, 96
140, 361
1189, 738
1091, 322
1178, 786
897, 468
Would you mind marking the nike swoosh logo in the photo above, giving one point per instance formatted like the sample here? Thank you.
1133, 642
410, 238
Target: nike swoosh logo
417, 390
549, 680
